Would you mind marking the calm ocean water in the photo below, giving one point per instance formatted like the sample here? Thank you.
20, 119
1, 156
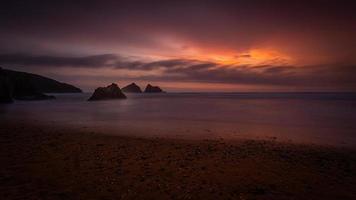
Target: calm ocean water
323, 118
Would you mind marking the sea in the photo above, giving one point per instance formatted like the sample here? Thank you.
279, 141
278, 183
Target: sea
312, 118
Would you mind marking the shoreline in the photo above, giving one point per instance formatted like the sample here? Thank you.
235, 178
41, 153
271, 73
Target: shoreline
183, 134
44, 162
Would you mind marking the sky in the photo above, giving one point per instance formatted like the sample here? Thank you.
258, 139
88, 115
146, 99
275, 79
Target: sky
192, 45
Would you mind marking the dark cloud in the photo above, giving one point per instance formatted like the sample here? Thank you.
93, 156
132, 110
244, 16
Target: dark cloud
325, 27
152, 65
30, 60
329, 76
243, 56
278, 69
95, 61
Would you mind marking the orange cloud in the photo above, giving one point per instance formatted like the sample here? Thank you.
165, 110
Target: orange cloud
253, 57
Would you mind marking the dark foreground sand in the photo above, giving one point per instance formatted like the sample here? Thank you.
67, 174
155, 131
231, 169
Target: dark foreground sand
39, 162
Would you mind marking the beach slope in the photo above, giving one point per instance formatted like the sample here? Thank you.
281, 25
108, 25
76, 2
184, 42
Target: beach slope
43, 162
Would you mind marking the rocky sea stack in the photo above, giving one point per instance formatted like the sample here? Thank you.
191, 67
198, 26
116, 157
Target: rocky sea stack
132, 88
105, 93
153, 89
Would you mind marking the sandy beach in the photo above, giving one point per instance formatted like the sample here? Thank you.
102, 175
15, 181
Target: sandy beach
44, 162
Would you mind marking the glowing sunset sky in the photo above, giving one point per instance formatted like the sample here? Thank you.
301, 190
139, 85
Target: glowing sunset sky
185, 45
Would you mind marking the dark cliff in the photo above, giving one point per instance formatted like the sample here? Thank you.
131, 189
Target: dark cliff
27, 86
40, 83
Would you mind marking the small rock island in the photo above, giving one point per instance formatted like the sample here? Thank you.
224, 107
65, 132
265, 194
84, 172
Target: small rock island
153, 89
105, 93
132, 88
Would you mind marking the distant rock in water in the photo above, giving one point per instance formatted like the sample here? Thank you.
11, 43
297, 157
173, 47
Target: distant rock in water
110, 92
26, 86
153, 89
132, 88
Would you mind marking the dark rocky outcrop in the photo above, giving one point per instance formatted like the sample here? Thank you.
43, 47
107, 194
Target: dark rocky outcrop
40, 83
5, 88
153, 89
110, 92
26, 86
132, 88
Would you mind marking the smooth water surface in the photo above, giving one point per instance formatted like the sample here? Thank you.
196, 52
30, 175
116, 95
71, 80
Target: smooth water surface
325, 118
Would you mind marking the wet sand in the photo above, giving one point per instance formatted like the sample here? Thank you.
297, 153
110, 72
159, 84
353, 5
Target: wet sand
44, 162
